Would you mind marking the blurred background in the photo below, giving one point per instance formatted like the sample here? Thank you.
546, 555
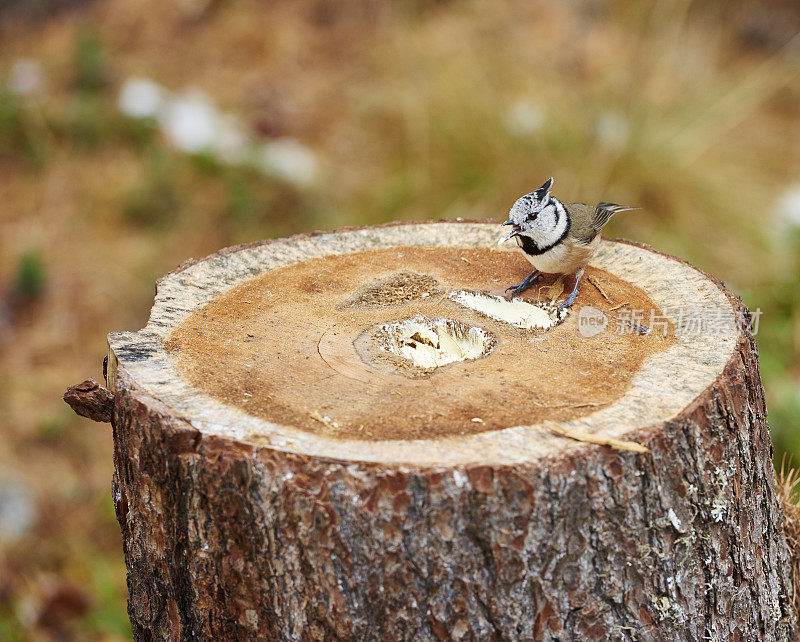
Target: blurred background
134, 135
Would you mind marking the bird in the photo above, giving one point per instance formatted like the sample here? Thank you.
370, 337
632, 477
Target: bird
556, 237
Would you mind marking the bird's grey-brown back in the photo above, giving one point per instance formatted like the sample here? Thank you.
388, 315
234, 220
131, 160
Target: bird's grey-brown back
581, 216
587, 220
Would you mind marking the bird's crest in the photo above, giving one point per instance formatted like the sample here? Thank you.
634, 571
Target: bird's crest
543, 192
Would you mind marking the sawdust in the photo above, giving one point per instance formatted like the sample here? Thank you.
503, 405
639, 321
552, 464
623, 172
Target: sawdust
396, 289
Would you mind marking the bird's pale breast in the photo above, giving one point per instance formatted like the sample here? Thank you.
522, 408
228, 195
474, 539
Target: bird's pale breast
564, 258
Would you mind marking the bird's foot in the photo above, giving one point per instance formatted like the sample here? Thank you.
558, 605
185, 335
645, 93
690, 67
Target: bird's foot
567, 303
571, 298
517, 290
526, 283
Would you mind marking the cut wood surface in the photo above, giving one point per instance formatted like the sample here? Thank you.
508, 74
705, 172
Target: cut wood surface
285, 471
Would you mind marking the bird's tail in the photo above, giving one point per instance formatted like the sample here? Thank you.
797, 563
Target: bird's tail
604, 211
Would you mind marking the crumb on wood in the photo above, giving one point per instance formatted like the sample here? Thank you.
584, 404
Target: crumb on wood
554, 291
596, 283
592, 438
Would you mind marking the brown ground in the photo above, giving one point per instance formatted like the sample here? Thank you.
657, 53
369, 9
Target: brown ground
280, 339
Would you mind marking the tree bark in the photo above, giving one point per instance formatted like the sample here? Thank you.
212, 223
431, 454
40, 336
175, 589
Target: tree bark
236, 533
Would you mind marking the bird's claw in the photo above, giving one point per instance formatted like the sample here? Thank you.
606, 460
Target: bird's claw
567, 303
571, 298
526, 283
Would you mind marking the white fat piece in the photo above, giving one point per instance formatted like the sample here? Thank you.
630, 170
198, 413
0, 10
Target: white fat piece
521, 314
432, 343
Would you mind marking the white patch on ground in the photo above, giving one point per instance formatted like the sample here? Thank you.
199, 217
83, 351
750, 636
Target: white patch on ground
788, 206
141, 98
25, 77
516, 312
433, 343
192, 123
17, 510
613, 129
524, 118
290, 160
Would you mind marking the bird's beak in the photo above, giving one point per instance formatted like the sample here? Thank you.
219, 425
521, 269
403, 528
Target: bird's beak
514, 232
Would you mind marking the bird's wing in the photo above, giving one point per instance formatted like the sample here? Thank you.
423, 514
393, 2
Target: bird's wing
587, 221
604, 211
581, 217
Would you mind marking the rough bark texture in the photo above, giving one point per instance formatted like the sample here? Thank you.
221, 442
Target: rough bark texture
236, 527
91, 400
227, 541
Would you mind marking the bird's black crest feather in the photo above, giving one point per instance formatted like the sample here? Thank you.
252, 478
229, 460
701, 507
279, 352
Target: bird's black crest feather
542, 191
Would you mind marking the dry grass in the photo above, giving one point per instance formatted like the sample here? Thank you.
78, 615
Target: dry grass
788, 480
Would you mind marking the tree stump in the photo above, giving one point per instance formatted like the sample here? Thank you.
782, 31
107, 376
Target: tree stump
297, 460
